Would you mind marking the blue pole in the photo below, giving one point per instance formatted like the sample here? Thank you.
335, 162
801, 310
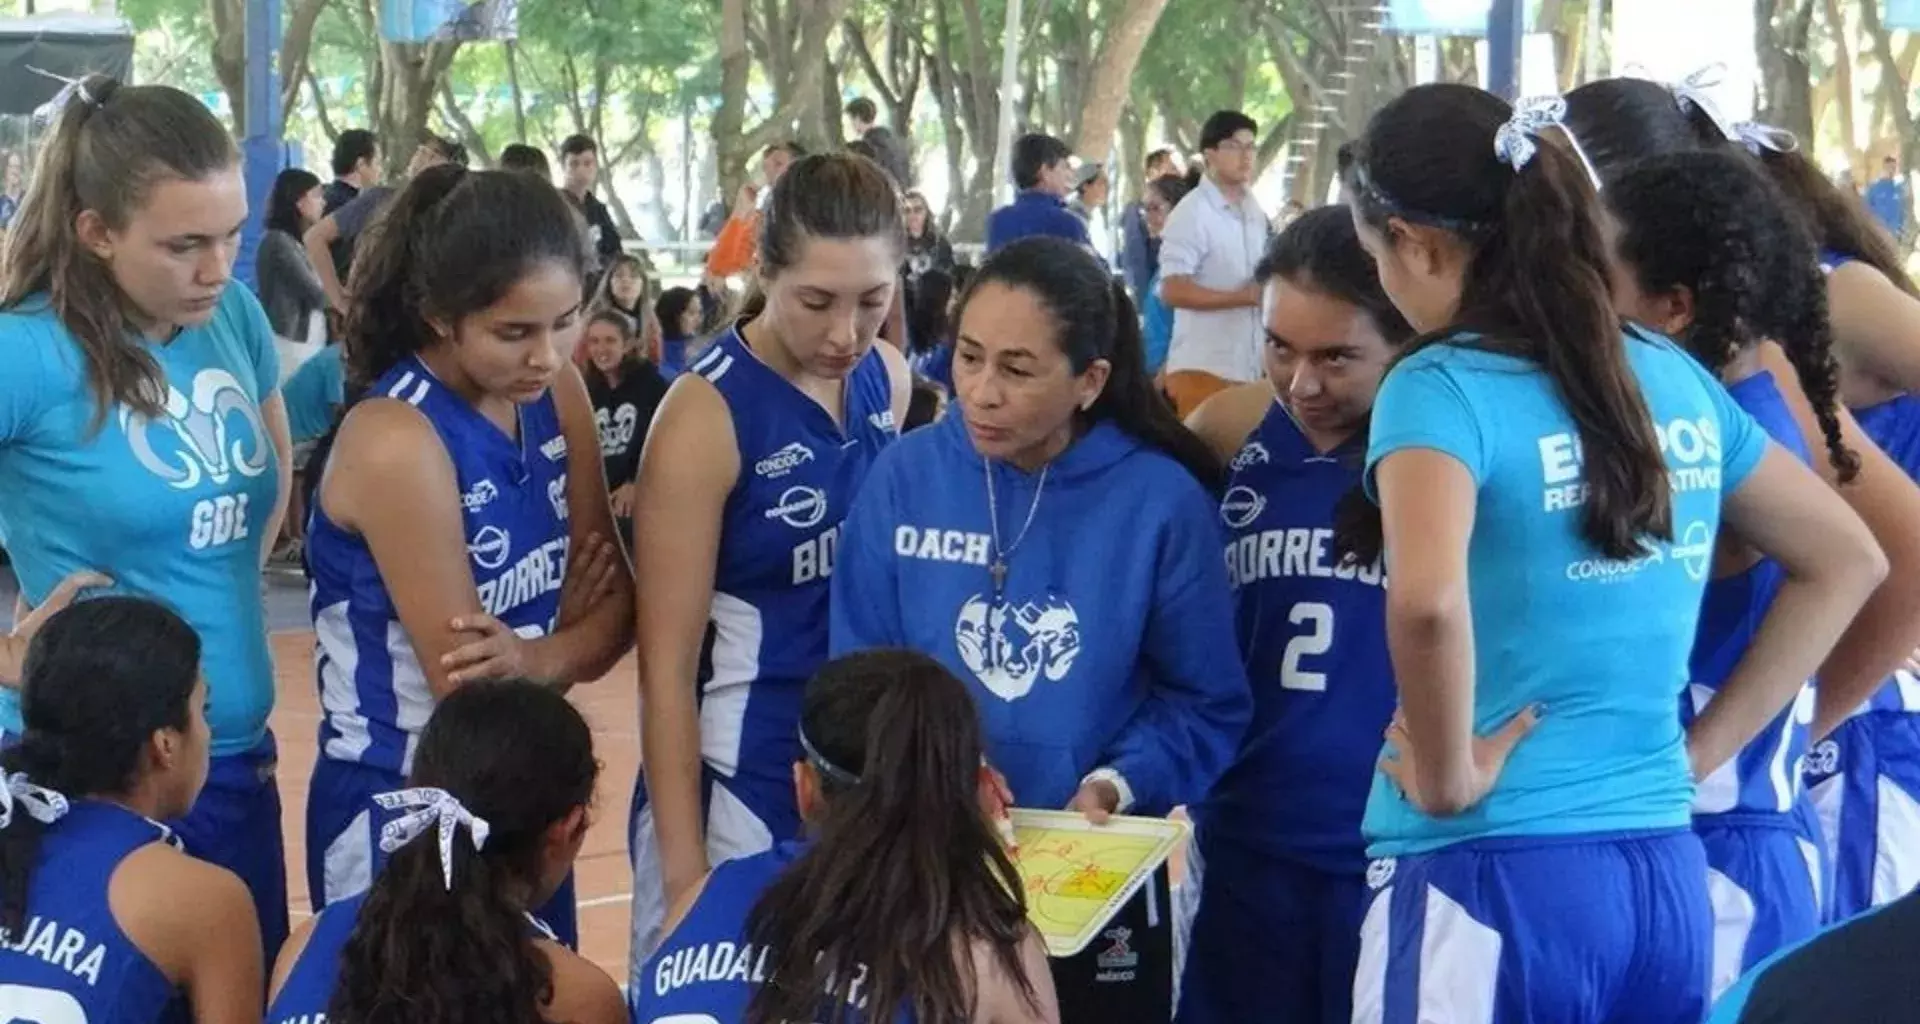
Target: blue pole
1506, 25
262, 151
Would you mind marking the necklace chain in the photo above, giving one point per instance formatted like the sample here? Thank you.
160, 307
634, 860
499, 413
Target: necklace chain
1002, 553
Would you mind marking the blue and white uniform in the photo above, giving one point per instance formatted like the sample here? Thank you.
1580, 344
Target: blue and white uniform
767, 628
303, 997
1280, 863
175, 509
1865, 776
705, 969
70, 961
374, 696
1575, 891
1766, 867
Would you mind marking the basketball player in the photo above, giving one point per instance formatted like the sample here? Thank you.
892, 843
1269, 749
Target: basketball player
102, 917
142, 434
1280, 865
1706, 251
899, 906
1548, 505
750, 466
495, 814
461, 529
1621, 120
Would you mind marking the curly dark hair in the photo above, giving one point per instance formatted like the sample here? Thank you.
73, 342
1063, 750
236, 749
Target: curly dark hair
519, 756
1709, 222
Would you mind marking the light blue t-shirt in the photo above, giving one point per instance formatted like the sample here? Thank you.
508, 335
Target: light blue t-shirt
1603, 645
174, 509
314, 394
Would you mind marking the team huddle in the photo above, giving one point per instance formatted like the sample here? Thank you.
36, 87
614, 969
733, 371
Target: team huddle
1529, 645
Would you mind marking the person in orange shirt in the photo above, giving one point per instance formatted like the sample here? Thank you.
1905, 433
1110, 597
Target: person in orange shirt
733, 248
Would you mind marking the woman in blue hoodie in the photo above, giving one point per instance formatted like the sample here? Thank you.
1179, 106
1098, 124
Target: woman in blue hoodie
1056, 545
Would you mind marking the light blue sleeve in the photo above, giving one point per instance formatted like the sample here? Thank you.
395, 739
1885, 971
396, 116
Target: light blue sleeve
1742, 439
1186, 732
23, 375
864, 609
1422, 405
1733, 1002
255, 337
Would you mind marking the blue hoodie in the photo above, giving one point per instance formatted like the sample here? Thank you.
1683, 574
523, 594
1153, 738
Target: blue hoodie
1118, 648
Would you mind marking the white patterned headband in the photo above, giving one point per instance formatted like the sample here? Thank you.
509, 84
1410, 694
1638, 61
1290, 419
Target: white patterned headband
40, 803
1517, 141
429, 808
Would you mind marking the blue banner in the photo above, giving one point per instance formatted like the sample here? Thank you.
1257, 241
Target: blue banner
1453, 17
426, 21
1902, 14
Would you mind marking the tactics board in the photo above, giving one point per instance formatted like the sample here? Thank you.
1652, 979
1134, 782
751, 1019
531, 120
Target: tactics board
1079, 875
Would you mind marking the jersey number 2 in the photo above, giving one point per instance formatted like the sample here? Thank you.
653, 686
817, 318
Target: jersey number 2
1318, 639
21, 1004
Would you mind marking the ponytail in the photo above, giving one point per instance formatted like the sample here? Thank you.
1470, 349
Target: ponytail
1536, 286
451, 244
110, 146
905, 875
385, 320
451, 943
101, 677
1134, 404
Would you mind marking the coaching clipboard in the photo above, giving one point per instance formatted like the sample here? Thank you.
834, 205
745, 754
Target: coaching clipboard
1078, 875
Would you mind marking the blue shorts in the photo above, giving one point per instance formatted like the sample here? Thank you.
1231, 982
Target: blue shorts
1272, 939
1613, 928
235, 823
343, 841
1865, 783
1765, 875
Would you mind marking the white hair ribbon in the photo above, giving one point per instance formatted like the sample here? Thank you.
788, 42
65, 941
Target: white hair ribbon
429, 808
40, 803
1758, 137
1514, 142
1691, 91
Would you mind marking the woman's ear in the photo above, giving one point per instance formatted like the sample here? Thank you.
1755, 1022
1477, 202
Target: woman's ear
1092, 382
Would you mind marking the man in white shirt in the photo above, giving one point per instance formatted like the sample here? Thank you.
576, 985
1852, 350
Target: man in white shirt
1212, 242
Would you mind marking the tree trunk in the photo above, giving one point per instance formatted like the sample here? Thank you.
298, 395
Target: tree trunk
519, 97
1782, 29
229, 55
1113, 70
320, 107
296, 48
1843, 90
411, 74
730, 148
463, 126
1893, 92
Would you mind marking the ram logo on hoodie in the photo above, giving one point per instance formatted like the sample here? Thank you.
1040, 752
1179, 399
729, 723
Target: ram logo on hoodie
1009, 647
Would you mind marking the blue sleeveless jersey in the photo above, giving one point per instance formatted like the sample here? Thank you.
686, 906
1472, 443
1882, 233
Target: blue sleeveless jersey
1894, 425
1313, 632
513, 498
309, 986
706, 969
1765, 776
70, 963
767, 629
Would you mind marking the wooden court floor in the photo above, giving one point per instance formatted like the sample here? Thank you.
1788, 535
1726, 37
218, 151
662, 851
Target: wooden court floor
603, 875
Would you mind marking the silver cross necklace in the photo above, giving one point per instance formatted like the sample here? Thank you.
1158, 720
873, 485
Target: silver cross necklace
998, 567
